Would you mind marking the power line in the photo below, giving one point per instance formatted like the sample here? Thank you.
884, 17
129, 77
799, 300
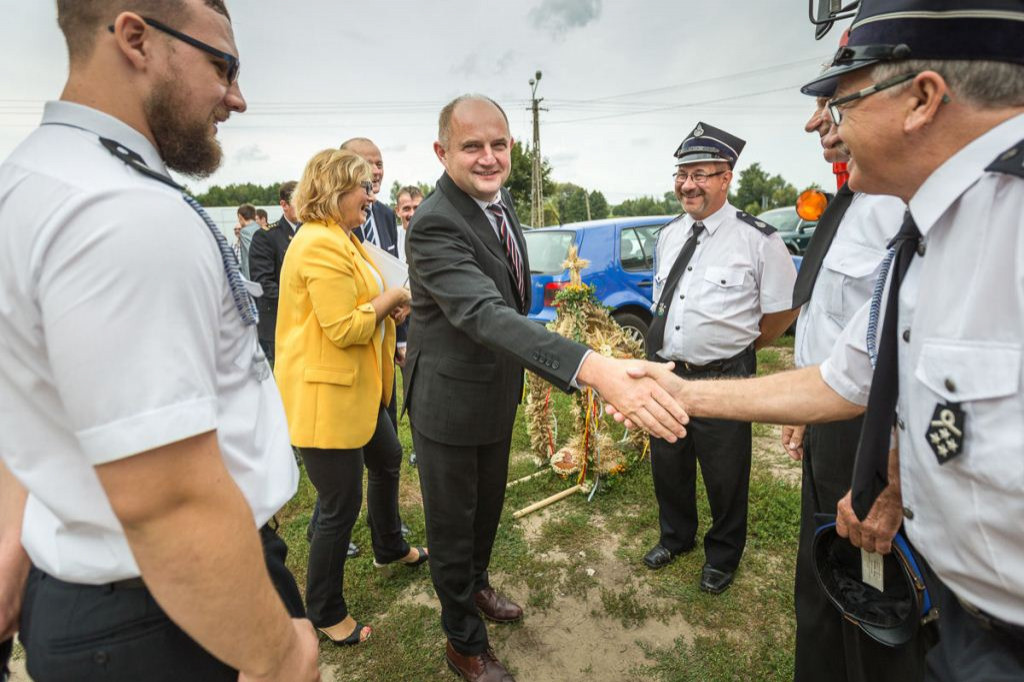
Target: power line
676, 106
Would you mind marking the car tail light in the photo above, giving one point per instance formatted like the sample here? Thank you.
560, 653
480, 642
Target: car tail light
551, 289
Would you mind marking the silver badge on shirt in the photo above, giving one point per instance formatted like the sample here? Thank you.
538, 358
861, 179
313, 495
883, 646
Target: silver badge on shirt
945, 434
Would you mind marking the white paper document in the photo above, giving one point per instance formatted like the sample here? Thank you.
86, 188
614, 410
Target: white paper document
872, 570
394, 271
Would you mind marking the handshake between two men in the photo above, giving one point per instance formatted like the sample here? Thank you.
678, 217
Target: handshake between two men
799, 396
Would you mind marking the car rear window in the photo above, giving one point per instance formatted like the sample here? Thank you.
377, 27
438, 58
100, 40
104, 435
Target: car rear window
783, 219
548, 250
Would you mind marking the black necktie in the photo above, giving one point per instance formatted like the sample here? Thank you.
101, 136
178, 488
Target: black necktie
871, 468
824, 233
656, 334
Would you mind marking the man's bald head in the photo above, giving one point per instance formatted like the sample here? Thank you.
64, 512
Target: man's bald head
444, 120
364, 147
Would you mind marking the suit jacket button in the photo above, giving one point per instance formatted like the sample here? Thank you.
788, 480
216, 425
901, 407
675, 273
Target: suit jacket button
554, 365
536, 355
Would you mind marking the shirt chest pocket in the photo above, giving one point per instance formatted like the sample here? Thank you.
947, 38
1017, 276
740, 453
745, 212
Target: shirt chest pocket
847, 279
723, 285
984, 379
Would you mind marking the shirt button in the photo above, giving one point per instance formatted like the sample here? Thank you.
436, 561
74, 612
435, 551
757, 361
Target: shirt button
677, 327
682, 296
722, 281
689, 268
908, 513
901, 424
906, 335
921, 248
950, 386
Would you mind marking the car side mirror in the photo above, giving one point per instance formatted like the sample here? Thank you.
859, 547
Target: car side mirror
824, 13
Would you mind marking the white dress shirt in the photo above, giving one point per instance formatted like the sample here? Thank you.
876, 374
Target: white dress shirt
847, 276
119, 335
961, 326
737, 275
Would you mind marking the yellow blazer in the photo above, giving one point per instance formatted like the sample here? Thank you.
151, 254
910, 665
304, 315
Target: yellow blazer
333, 367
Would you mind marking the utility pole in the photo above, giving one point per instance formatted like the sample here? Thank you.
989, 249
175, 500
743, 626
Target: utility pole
537, 183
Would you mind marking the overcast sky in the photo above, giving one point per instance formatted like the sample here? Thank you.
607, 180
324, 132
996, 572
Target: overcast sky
624, 82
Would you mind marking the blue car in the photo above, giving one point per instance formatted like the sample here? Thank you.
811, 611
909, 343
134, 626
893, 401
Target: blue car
621, 255
621, 268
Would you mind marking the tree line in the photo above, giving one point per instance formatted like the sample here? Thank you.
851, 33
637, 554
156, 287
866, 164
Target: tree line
754, 190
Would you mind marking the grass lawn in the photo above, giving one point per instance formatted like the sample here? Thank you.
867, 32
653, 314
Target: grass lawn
593, 611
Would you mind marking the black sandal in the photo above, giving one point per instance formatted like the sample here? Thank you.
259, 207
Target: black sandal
421, 558
353, 639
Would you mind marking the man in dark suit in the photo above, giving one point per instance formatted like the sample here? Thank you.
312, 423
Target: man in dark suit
266, 254
380, 229
470, 280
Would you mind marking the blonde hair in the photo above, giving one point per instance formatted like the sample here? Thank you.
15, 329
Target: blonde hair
328, 175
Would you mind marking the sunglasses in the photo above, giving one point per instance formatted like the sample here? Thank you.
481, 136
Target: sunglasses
229, 66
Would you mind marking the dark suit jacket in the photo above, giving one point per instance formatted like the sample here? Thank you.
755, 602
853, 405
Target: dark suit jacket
387, 230
470, 338
265, 258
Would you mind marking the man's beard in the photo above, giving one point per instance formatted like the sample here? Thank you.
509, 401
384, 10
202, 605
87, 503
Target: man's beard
186, 146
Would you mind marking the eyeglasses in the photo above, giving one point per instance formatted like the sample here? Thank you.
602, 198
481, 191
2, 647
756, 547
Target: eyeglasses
230, 67
698, 177
367, 186
834, 105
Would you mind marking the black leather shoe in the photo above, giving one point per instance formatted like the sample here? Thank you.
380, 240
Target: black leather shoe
714, 581
659, 556
353, 550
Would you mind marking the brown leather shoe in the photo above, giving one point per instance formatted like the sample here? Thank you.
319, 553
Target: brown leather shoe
497, 607
483, 668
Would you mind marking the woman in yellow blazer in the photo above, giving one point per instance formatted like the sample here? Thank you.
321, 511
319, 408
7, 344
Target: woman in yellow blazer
335, 368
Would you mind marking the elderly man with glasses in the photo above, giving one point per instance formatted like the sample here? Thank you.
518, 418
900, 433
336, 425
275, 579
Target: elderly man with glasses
723, 287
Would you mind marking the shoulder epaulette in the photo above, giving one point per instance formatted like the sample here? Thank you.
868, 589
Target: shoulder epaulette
755, 222
657, 232
1011, 161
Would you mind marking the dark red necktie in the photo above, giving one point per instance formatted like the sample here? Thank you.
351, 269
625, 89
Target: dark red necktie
511, 249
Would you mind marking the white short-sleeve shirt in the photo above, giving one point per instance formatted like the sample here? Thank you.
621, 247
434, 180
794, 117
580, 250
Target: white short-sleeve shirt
961, 340
737, 275
847, 276
119, 335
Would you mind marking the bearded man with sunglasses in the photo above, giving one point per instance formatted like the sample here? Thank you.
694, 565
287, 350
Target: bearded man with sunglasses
143, 430
723, 287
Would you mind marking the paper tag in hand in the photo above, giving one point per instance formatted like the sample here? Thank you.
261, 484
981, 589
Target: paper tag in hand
871, 570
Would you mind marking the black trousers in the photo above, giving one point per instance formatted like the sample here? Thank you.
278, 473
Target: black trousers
337, 476
970, 650
393, 416
118, 633
723, 449
828, 647
6, 648
268, 349
463, 493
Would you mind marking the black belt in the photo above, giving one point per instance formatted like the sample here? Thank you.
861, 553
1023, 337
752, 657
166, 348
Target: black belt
126, 584
684, 367
989, 622
138, 583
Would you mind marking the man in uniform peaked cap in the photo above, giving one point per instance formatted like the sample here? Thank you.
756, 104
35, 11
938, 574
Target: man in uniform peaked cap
723, 286
929, 97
